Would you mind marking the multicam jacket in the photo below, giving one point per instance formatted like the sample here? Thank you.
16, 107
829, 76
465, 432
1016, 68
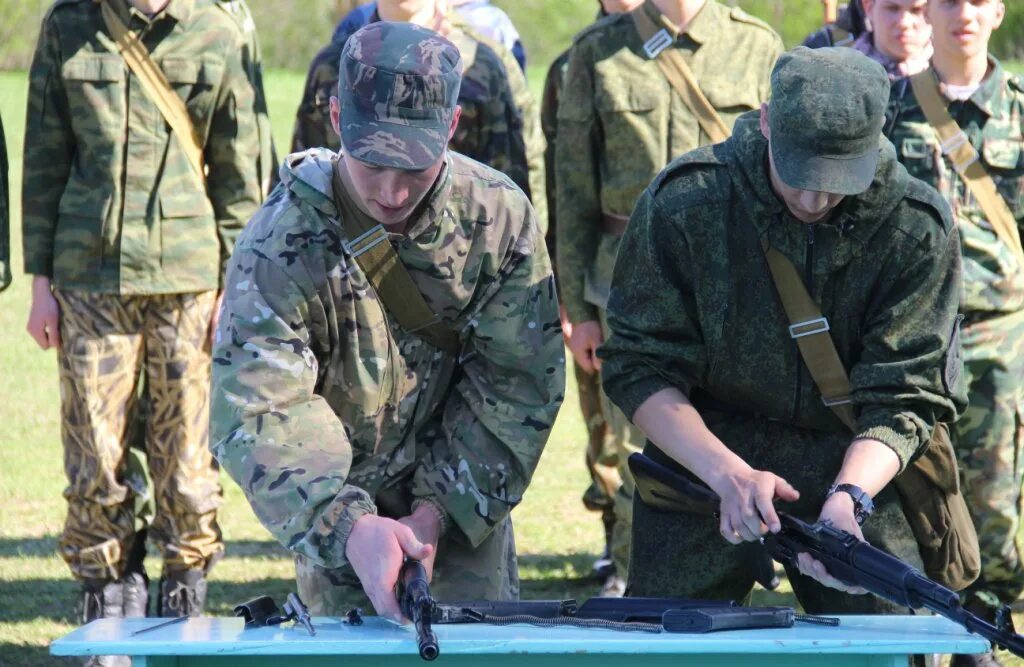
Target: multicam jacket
620, 123
694, 306
993, 120
321, 401
498, 125
110, 201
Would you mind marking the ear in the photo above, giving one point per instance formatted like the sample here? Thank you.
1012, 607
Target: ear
1000, 14
765, 129
455, 121
336, 115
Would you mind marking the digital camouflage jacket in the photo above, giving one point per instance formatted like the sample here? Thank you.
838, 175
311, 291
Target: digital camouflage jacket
498, 125
321, 402
110, 201
693, 305
620, 122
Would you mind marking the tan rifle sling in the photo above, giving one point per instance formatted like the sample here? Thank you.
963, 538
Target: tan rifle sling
368, 243
157, 88
928, 488
656, 42
966, 161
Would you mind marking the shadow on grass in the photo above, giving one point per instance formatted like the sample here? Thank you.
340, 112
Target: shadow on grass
20, 655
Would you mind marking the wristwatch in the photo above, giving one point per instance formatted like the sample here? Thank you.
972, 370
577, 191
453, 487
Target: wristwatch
863, 506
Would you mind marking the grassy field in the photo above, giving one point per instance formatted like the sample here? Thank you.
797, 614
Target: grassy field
557, 539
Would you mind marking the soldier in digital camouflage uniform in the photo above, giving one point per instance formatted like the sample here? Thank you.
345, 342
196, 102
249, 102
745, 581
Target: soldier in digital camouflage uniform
126, 244
987, 102
701, 357
499, 124
354, 440
5, 215
600, 457
619, 123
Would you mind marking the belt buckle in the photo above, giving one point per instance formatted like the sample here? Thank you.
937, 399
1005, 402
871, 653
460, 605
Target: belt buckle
816, 326
657, 43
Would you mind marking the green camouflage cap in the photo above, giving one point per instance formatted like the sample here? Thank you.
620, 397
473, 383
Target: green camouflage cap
398, 87
826, 116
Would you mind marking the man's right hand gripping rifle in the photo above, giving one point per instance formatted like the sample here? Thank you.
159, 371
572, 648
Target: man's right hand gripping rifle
377, 547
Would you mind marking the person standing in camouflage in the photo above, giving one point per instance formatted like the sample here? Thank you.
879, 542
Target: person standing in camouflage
499, 126
126, 242
359, 441
844, 31
987, 103
701, 354
619, 123
604, 476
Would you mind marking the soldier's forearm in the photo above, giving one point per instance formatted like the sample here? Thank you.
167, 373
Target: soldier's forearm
869, 464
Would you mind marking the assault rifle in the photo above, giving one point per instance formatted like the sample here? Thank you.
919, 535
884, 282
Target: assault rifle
626, 614
846, 558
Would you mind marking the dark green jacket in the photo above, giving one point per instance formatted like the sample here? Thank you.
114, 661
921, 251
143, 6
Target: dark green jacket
694, 307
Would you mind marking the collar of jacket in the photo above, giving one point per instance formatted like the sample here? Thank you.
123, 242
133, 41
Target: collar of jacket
179, 10
990, 96
701, 28
839, 238
308, 176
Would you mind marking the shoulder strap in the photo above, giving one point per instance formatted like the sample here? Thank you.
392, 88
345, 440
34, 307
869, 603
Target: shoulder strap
966, 160
810, 330
656, 42
174, 111
369, 245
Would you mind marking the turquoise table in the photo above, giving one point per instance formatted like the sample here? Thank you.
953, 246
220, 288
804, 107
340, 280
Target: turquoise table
864, 641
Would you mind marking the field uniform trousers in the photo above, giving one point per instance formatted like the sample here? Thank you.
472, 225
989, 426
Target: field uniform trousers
989, 441
685, 555
106, 340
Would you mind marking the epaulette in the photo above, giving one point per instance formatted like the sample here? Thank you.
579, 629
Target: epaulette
921, 193
59, 3
705, 156
599, 24
1015, 82
737, 14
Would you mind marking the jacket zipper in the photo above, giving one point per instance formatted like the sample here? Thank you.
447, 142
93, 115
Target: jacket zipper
809, 282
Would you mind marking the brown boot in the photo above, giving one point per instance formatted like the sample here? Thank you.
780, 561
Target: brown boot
182, 593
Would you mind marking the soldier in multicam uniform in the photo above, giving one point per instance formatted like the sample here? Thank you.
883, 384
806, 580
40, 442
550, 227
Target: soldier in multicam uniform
355, 440
701, 356
600, 459
848, 26
126, 244
619, 123
499, 124
987, 103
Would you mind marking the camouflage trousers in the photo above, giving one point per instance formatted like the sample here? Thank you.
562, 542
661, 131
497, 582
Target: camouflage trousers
602, 464
625, 438
105, 341
488, 572
685, 555
989, 440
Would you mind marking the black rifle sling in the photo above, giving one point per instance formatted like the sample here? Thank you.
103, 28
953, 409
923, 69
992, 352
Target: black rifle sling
368, 243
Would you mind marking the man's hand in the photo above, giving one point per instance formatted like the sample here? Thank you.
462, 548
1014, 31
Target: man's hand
427, 529
583, 342
44, 315
747, 510
837, 510
563, 315
376, 548
215, 317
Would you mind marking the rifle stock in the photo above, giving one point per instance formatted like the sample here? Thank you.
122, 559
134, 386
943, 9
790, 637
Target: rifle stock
846, 558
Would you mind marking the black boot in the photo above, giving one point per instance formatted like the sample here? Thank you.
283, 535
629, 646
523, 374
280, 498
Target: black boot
103, 599
135, 581
182, 593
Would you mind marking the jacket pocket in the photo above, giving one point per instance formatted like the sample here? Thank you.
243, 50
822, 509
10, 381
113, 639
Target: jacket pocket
188, 232
730, 97
95, 88
79, 246
634, 118
195, 82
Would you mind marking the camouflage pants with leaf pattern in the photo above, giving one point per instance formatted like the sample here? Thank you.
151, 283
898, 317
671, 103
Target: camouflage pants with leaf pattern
105, 341
989, 440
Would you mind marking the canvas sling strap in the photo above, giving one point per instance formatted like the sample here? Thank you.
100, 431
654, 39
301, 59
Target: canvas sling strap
656, 42
810, 329
157, 88
966, 160
368, 243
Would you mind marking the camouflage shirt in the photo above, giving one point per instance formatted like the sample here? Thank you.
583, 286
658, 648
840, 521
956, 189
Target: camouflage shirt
111, 203
620, 123
497, 126
321, 401
993, 120
695, 307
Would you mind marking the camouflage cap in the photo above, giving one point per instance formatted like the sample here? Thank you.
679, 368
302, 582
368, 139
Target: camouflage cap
398, 86
826, 115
